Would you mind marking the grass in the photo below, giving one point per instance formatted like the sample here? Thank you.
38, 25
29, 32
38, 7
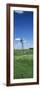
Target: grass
23, 64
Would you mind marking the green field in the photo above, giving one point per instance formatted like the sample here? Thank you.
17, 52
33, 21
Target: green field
23, 63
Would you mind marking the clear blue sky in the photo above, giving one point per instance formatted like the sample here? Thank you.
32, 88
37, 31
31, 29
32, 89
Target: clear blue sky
23, 28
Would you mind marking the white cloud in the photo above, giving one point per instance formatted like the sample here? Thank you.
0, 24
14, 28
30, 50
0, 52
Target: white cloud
17, 38
19, 11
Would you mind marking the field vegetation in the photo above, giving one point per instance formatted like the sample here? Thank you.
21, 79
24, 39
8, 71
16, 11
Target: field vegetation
23, 63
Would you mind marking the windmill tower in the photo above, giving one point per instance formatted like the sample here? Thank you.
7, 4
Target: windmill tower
22, 44
21, 41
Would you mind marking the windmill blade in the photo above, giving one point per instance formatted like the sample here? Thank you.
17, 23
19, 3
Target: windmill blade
17, 39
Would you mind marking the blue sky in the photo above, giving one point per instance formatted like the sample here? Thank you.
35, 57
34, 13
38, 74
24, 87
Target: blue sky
23, 28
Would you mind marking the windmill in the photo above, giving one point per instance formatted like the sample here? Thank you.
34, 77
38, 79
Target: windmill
22, 44
21, 41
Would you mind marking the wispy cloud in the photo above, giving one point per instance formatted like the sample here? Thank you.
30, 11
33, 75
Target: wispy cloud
19, 11
17, 38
